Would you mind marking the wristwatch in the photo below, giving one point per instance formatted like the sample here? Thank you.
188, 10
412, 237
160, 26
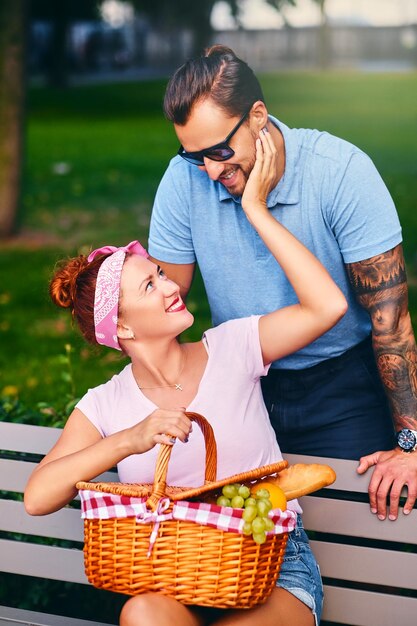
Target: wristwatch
407, 439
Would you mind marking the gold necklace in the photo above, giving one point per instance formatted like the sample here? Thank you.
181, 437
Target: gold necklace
176, 386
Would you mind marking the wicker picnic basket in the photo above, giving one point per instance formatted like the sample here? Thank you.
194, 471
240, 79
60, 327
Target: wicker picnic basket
193, 563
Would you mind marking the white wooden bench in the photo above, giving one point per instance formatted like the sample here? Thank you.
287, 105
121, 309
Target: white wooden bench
369, 567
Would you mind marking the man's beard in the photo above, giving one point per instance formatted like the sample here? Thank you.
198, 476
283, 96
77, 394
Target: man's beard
246, 171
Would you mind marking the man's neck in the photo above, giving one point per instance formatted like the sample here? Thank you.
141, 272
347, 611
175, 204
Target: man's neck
278, 140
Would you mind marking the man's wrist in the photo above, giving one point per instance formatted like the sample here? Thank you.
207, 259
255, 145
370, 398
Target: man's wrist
407, 440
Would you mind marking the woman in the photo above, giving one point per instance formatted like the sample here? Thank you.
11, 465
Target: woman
122, 300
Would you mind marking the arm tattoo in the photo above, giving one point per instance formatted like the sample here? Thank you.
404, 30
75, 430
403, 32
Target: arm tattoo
380, 284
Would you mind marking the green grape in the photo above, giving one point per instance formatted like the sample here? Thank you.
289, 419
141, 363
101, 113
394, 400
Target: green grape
237, 502
258, 525
244, 491
259, 538
249, 513
262, 493
263, 506
229, 491
255, 509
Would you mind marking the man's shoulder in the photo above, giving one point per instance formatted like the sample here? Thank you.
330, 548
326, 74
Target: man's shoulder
318, 144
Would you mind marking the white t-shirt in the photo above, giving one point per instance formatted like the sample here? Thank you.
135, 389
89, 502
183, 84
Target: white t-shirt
229, 396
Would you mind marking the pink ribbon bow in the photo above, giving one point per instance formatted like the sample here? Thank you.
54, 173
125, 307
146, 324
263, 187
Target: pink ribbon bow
155, 517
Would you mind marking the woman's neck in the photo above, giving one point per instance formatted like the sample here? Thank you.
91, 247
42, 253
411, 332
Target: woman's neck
159, 365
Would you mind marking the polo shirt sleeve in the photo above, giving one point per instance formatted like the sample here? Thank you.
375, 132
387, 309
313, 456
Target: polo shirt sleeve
363, 216
170, 238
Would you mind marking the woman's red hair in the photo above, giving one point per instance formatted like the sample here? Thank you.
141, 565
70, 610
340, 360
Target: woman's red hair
73, 287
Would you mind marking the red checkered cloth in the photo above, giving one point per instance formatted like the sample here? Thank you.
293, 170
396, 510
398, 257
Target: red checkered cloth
97, 505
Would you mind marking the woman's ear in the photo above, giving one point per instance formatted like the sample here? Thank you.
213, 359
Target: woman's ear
259, 115
124, 332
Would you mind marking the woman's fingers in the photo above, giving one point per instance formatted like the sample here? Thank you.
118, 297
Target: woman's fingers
173, 424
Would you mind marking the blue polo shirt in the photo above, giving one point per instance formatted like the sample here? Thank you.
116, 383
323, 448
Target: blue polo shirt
330, 197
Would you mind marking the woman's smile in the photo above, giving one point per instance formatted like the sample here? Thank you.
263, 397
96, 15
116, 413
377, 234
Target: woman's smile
176, 305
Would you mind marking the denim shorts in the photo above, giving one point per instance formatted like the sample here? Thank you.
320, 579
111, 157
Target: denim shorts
300, 574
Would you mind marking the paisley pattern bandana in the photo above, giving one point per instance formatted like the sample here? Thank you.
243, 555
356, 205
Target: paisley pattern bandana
106, 297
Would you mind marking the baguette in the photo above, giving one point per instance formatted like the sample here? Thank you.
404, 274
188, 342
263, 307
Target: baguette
301, 479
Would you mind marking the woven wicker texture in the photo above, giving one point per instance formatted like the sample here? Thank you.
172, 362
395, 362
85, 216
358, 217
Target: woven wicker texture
192, 563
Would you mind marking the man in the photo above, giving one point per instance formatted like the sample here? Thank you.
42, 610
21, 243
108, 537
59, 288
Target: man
329, 399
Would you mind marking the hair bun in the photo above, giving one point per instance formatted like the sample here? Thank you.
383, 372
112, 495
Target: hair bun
219, 50
62, 288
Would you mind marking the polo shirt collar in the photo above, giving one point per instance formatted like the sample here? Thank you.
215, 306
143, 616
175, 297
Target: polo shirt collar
286, 191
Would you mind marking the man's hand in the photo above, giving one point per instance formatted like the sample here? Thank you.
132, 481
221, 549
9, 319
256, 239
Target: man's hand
394, 469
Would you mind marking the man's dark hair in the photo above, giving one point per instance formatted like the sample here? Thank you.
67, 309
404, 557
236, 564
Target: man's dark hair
218, 74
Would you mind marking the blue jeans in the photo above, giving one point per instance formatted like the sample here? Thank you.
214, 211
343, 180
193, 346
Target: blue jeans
300, 574
337, 408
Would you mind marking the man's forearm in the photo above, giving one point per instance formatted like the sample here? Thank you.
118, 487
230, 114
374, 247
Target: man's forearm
380, 284
396, 358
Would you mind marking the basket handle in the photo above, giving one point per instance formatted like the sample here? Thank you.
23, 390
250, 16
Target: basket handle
164, 455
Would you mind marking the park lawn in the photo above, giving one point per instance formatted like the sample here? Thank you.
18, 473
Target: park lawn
94, 158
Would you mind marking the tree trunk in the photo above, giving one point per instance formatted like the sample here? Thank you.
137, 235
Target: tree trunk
13, 15
324, 38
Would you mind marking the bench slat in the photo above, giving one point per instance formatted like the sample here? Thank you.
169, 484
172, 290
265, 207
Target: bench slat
52, 562
366, 565
366, 608
27, 438
15, 474
64, 524
10, 616
355, 519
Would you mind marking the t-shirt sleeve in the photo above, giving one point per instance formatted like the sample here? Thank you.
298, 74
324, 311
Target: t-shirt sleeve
363, 215
90, 406
170, 237
239, 346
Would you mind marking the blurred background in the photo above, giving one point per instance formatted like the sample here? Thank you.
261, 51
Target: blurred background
83, 145
83, 141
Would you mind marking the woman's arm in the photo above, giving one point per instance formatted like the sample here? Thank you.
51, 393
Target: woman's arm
82, 454
321, 302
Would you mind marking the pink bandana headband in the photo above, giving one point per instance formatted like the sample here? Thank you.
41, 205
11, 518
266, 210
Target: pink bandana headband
106, 297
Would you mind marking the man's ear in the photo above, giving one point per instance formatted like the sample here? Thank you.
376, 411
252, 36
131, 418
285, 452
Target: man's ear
259, 115
124, 332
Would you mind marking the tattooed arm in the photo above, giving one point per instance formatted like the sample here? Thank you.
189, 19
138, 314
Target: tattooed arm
380, 285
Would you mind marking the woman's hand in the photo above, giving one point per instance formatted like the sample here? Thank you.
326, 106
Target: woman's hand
263, 174
161, 426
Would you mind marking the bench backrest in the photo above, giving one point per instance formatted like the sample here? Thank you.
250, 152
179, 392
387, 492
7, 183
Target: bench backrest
369, 567
23, 556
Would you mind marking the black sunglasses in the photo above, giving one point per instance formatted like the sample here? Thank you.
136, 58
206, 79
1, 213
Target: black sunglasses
219, 152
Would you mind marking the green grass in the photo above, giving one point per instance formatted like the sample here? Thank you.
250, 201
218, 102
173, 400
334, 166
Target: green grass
117, 145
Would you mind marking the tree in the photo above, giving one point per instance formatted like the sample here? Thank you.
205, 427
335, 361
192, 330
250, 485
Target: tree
61, 14
12, 97
168, 17
324, 43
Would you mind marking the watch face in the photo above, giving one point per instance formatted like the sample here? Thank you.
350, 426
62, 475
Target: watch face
406, 439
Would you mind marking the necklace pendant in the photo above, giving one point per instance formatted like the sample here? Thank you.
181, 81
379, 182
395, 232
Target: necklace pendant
178, 387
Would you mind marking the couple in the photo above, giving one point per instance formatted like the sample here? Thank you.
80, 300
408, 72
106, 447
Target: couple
122, 299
